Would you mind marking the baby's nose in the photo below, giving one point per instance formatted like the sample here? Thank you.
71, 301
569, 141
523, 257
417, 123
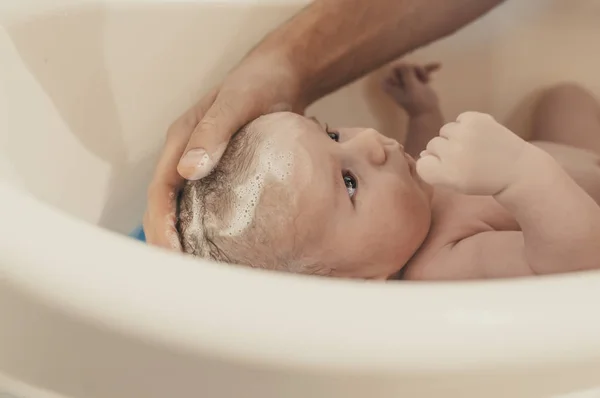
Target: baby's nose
371, 143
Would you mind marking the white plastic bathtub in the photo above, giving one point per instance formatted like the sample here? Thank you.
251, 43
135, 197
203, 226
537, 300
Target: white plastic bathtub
87, 90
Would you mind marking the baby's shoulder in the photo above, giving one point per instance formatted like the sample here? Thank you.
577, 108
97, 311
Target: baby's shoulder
459, 218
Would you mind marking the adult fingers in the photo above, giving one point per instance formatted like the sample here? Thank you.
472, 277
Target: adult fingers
160, 215
178, 137
160, 219
212, 134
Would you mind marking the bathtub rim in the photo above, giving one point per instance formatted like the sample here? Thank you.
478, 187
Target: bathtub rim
471, 319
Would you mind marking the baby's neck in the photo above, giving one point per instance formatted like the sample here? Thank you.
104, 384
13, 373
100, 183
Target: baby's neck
442, 212
442, 205
455, 217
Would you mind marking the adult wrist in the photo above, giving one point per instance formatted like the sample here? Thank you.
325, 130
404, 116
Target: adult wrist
278, 62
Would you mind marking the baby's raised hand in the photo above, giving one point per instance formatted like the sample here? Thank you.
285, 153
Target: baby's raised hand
475, 155
409, 86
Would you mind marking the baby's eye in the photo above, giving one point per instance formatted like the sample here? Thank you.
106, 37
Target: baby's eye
351, 184
334, 135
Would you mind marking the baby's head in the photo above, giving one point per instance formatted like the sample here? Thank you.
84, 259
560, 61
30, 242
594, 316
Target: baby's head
288, 195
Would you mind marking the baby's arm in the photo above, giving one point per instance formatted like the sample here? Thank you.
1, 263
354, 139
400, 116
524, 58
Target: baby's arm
559, 220
560, 232
560, 223
421, 129
409, 86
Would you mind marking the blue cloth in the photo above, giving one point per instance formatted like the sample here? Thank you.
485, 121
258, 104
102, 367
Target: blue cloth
138, 234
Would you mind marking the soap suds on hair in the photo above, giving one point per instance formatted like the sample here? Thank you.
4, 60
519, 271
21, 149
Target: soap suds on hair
273, 165
197, 211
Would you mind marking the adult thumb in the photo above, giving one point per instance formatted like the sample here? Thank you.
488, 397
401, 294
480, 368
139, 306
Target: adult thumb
210, 138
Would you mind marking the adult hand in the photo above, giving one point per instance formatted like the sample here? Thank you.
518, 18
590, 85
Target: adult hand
196, 141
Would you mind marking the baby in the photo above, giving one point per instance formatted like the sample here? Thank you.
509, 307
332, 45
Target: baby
479, 202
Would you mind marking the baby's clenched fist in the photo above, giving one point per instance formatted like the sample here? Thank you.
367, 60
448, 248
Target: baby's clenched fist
475, 155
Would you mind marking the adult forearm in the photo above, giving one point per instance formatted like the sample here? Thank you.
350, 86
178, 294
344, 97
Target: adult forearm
559, 220
332, 42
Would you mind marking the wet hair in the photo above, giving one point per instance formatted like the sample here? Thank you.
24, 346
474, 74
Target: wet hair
206, 206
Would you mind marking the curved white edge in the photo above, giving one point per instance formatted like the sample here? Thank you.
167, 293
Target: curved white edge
265, 316
15, 11
10, 388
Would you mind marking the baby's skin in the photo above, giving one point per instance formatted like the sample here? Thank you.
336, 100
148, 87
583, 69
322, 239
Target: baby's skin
504, 207
464, 200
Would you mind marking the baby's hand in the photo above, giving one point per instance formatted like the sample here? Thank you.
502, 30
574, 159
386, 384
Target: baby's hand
475, 155
408, 86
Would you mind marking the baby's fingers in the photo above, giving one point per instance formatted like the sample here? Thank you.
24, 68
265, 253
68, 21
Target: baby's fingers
407, 75
424, 72
450, 130
390, 85
430, 169
432, 67
438, 147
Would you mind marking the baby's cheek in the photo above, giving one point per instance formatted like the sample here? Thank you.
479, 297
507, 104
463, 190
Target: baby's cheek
411, 216
310, 228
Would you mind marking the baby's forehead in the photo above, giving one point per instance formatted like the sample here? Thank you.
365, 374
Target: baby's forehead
276, 150
281, 126
275, 137
282, 148
279, 151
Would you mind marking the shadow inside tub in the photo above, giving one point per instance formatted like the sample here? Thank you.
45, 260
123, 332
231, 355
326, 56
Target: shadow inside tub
117, 80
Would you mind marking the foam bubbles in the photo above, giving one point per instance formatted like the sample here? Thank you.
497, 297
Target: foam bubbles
195, 227
272, 165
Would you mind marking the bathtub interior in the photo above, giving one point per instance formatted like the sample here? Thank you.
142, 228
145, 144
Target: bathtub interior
88, 89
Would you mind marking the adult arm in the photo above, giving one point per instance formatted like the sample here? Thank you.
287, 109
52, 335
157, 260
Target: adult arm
333, 42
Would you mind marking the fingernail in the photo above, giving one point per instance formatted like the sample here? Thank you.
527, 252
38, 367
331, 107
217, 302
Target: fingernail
195, 165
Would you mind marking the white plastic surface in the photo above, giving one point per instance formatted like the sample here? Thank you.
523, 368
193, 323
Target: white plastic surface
87, 90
